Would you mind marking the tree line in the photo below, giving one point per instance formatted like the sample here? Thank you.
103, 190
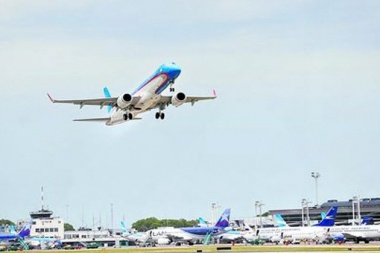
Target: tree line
152, 222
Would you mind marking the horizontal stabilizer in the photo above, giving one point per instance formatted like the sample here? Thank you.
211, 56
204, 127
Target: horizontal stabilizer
94, 119
100, 119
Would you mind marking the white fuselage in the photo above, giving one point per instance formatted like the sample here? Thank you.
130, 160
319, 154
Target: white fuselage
362, 231
295, 233
148, 98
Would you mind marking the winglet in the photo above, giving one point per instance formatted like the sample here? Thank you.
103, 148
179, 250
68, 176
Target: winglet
214, 93
51, 99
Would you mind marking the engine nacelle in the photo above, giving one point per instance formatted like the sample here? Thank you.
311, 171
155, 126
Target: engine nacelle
163, 241
124, 100
178, 99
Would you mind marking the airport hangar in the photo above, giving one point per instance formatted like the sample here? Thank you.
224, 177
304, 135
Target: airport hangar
369, 207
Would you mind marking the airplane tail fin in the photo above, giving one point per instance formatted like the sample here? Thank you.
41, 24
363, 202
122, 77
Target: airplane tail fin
280, 221
224, 220
107, 94
367, 221
124, 230
12, 229
25, 231
202, 222
329, 220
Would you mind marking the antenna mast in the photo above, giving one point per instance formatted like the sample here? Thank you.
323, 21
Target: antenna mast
42, 198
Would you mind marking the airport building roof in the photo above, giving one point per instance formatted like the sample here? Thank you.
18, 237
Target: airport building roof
369, 207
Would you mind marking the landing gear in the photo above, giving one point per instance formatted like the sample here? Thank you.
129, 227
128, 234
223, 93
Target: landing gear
171, 86
128, 116
160, 115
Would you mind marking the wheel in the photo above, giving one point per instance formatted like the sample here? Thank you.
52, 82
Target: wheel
125, 116
162, 115
157, 115
130, 116
172, 89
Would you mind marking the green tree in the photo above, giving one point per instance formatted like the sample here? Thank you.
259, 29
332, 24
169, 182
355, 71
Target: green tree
151, 223
6, 222
68, 227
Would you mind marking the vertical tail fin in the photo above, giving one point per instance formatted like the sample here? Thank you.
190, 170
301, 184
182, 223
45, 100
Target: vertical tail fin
107, 94
224, 220
202, 222
280, 221
12, 229
329, 220
124, 230
367, 221
25, 231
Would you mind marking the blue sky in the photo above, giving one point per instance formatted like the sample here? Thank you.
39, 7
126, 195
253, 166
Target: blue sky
297, 85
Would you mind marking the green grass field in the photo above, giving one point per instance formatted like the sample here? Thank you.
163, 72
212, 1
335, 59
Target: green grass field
237, 248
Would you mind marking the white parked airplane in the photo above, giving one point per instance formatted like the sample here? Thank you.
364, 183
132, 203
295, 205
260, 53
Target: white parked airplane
145, 98
355, 233
316, 232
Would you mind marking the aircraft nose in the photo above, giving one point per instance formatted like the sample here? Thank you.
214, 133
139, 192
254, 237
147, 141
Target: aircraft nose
174, 70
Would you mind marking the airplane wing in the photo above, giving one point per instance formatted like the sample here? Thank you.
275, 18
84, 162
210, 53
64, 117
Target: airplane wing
191, 99
93, 101
175, 237
350, 236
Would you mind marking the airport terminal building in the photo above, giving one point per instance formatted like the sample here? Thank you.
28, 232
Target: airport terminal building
349, 212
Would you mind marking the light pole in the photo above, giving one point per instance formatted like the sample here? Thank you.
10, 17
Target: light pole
356, 200
316, 175
214, 209
258, 204
112, 217
305, 204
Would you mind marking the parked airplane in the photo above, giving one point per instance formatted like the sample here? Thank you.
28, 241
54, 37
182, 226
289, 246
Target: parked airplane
145, 98
315, 232
191, 234
248, 234
137, 237
354, 233
24, 232
44, 242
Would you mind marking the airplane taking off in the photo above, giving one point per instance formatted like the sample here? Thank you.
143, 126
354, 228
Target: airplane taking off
145, 98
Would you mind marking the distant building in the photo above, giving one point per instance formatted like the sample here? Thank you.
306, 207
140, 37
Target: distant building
44, 225
103, 237
369, 207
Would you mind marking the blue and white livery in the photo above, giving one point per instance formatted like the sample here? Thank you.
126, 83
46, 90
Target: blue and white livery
24, 232
191, 234
146, 97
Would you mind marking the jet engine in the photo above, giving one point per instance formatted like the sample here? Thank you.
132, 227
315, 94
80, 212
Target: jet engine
178, 99
124, 100
163, 241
